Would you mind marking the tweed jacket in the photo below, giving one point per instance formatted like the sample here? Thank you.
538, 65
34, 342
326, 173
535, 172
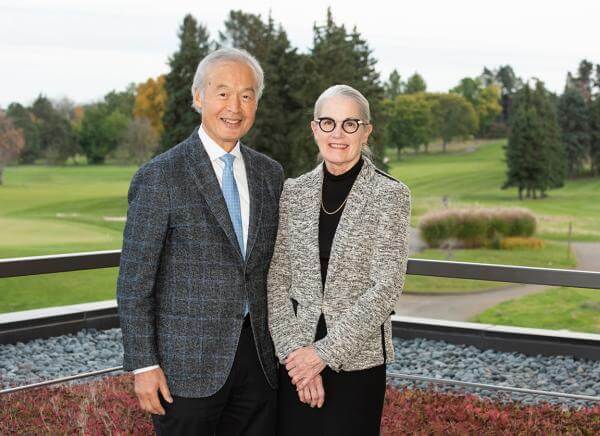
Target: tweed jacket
182, 281
365, 276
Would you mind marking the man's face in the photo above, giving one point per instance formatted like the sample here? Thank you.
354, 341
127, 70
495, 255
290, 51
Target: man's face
229, 102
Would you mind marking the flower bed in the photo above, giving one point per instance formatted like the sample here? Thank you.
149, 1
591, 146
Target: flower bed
109, 407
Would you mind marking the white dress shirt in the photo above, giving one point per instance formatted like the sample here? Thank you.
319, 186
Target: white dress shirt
215, 151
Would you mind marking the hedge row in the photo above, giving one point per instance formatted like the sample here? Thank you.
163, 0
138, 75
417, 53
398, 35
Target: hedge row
476, 227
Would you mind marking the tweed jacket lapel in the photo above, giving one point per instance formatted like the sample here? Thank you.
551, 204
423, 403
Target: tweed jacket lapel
255, 188
351, 215
204, 176
309, 217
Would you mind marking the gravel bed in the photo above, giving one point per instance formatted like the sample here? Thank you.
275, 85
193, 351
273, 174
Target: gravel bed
91, 350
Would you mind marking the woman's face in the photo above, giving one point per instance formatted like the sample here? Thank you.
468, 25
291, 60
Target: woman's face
340, 150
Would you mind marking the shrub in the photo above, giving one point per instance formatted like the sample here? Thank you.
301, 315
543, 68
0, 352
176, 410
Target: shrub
520, 242
428, 412
475, 227
109, 406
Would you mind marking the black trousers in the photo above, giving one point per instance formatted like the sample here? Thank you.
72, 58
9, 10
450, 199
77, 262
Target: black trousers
353, 403
245, 405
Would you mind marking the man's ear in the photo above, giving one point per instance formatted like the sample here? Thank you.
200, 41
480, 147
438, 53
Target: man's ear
198, 98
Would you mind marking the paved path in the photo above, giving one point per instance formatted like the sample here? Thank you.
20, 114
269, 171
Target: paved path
463, 307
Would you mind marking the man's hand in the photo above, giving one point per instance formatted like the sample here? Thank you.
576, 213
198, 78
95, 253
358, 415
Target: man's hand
303, 365
147, 385
314, 393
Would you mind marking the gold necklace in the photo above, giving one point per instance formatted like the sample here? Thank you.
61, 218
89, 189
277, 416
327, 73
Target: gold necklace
335, 211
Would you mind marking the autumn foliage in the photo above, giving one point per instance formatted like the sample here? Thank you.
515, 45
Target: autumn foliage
109, 407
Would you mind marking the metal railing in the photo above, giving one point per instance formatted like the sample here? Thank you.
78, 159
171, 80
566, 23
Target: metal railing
18, 267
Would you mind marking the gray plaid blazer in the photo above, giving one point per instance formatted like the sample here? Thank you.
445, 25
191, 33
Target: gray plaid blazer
182, 279
365, 276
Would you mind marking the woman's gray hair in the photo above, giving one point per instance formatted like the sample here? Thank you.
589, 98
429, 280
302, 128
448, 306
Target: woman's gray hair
348, 92
353, 94
227, 54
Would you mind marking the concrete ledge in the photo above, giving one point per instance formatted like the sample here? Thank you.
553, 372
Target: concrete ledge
54, 321
528, 341
27, 325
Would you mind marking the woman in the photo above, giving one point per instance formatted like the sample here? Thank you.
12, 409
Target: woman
336, 274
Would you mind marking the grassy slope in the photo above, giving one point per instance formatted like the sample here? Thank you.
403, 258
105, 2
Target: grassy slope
47, 210
51, 210
475, 178
557, 308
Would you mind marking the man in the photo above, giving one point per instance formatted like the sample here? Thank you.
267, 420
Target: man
199, 237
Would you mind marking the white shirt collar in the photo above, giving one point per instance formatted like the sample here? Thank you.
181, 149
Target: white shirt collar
214, 150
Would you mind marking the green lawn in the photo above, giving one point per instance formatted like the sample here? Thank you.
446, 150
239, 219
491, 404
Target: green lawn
50, 210
553, 255
557, 308
475, 177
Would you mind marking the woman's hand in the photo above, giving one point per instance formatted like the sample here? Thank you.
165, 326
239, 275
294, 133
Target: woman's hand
303, 365
314, 393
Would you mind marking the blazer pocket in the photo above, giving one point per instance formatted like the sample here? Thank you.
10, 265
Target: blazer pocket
295, 305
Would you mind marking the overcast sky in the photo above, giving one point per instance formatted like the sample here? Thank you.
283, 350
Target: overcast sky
82, 49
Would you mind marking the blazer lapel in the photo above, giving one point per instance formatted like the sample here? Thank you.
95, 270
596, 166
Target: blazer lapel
255, 188
204, 176
309, 226
351, 215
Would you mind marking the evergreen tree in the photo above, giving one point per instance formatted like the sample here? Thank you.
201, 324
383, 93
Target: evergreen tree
354, 66
414, 84
281, 129
394, 86
595, 135
573, 116
534, 153
180, 119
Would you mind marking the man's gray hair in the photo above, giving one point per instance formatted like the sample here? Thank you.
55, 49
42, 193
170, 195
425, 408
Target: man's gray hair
348, 92
227, 54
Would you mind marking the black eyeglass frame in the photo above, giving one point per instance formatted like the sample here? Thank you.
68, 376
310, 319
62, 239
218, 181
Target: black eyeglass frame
358, 122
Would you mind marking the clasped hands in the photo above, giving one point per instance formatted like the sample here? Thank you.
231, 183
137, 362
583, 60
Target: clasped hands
304, 367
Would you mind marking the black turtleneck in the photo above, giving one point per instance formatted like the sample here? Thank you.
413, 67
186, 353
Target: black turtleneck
335, 191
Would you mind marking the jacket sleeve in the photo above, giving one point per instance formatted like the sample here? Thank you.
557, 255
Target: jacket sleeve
388, 268
143, 239
283, 326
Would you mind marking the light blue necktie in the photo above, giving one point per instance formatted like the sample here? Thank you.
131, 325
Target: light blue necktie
232, 199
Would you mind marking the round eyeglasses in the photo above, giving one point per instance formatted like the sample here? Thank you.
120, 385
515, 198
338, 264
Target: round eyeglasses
349, 125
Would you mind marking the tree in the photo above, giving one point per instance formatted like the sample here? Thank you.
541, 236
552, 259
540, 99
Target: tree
122, 101
595, 135
354, 66
280, 128
534, 154
414, 84
139, 142
150, 101
409, 122
101, 132
509, 83
394, 86
179, 118
574, 120
485, 100
453, 116
58, 141
23, 119
12, 142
